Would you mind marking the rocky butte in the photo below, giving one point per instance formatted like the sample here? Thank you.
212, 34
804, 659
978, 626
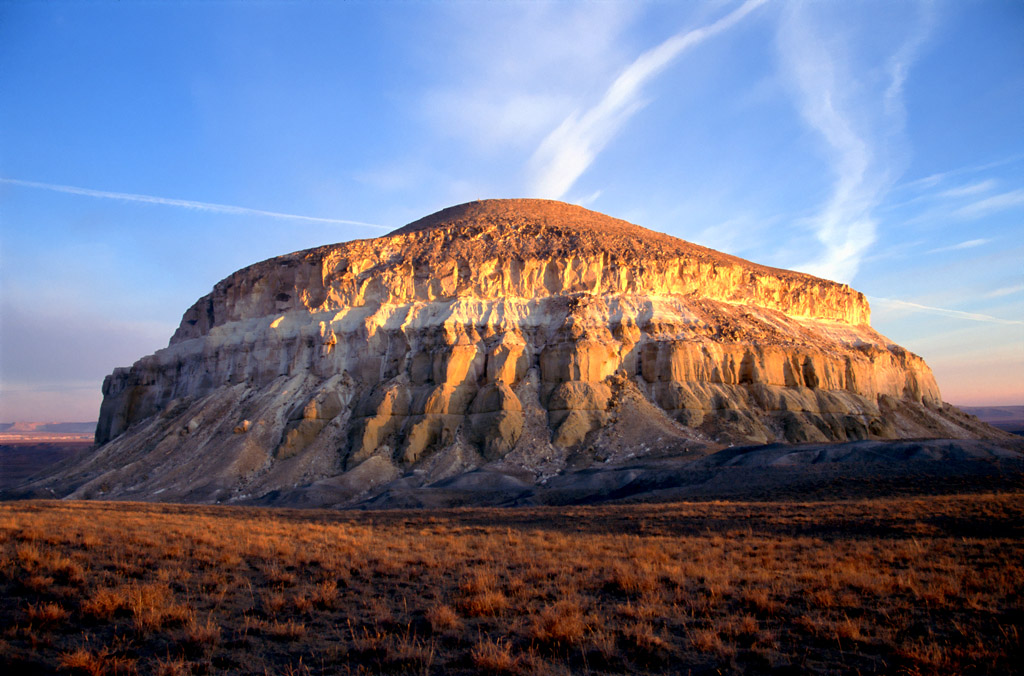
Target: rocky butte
531, 337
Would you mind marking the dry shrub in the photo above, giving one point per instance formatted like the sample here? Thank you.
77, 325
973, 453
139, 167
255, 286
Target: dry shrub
39, 583
745, 626
368, 643
171, 667
275, 602
707, 640
278, 576
481, 581
846, 598
560, 623
849, 629
645, 609
925, 657
106, 602
153, 606
325, 596
495, 657
483, 604
202, 637
766, 640
633, 577
228, 559
408, 653
443, 617
935, 596
83, 661
66, 571
645, 640
302, 603
823, 598
813, 624
47, 613
380, 611
101, 663
287, 631
761, 601
517, 588
482, 596
29, 556
601, 642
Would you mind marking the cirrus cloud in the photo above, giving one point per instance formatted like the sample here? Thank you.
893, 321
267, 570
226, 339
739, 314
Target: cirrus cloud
572, 147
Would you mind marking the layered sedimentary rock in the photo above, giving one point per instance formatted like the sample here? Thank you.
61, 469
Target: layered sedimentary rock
528, 333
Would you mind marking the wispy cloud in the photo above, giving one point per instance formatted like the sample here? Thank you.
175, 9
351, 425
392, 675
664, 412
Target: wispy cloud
969, 244
1005, 291
942, 196
187, 204
957, 314
1000, 202
572, 147
969, 189
934, 179
861, 123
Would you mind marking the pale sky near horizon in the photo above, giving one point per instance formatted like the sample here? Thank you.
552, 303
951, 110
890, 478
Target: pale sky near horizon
147, 150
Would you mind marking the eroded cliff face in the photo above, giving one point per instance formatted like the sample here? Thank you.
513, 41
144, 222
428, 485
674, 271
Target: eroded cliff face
528, 333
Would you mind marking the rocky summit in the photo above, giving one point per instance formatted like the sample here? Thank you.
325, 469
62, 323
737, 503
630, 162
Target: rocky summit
526, 338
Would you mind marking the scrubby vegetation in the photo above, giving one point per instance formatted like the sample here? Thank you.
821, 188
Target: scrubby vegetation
911, 585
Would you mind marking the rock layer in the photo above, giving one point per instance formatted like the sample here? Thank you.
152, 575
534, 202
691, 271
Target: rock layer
532, 334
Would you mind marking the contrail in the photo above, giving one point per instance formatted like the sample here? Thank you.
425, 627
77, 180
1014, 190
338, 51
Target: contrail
572, 147
969, 244
188, 204
973, 316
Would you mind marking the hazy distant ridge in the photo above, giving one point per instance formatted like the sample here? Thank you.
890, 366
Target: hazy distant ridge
55, 427
1007, 418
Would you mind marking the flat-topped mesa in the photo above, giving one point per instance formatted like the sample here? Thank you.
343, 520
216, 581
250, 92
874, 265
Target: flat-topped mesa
513, 249
525, 332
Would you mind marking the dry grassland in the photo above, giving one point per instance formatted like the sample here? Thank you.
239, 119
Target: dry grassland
900, 585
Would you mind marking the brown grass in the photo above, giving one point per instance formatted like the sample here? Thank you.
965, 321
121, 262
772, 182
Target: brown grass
287, 631
46, 613
495, 657
927, 585
483, 604
562, 622
100, 663
442, 618
202, 637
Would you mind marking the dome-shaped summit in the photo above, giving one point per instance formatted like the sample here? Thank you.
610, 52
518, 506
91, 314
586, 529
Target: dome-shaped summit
538, 228
527, 212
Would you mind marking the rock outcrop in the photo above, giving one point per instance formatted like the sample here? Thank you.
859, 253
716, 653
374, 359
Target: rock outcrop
532, 335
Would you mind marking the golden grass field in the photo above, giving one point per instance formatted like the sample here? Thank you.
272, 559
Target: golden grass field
914, 585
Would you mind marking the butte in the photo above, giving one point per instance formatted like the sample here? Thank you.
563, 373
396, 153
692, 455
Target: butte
529, 336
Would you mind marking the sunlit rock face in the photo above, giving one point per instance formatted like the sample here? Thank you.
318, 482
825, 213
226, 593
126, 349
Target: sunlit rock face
533, 333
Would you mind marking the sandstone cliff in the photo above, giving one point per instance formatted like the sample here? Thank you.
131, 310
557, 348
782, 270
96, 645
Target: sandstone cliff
529, 334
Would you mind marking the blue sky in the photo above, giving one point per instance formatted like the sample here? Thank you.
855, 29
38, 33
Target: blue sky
147, 150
